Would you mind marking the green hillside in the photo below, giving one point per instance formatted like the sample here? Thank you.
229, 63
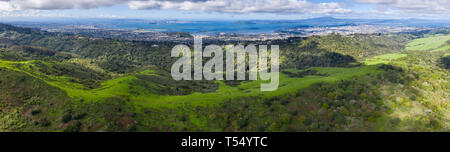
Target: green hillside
55, 82
439, 42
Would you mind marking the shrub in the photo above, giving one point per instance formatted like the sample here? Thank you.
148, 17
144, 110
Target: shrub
74, 127
66, 117
35, 111
44, 122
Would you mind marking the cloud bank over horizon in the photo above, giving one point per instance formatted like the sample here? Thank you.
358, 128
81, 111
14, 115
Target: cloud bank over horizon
405, 8
412, 6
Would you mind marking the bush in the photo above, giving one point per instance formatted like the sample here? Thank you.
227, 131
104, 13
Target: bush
79, 116
66, 117
74, 127
35, 111
44, 122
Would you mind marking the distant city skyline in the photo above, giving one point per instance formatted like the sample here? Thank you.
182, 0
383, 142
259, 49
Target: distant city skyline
223, 9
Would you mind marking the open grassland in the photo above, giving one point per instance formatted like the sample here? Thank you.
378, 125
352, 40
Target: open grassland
446, 55
433, 43
384, 59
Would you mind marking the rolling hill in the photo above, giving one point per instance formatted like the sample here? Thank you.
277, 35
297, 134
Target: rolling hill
58, 82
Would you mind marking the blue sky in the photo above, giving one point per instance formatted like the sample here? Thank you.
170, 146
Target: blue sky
223, 9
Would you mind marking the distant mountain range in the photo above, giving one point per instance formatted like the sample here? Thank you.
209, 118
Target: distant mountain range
330, 21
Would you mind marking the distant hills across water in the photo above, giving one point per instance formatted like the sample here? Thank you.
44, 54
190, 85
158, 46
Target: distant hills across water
228, 26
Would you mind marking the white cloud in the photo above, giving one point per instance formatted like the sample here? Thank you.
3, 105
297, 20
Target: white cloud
413, 6
385, 8
229, 6
12, 5
243, 6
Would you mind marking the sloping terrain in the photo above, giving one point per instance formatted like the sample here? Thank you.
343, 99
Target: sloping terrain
53, 82
435, 43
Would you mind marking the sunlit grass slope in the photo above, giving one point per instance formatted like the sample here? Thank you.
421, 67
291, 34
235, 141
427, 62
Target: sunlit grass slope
384, 59
434, 43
